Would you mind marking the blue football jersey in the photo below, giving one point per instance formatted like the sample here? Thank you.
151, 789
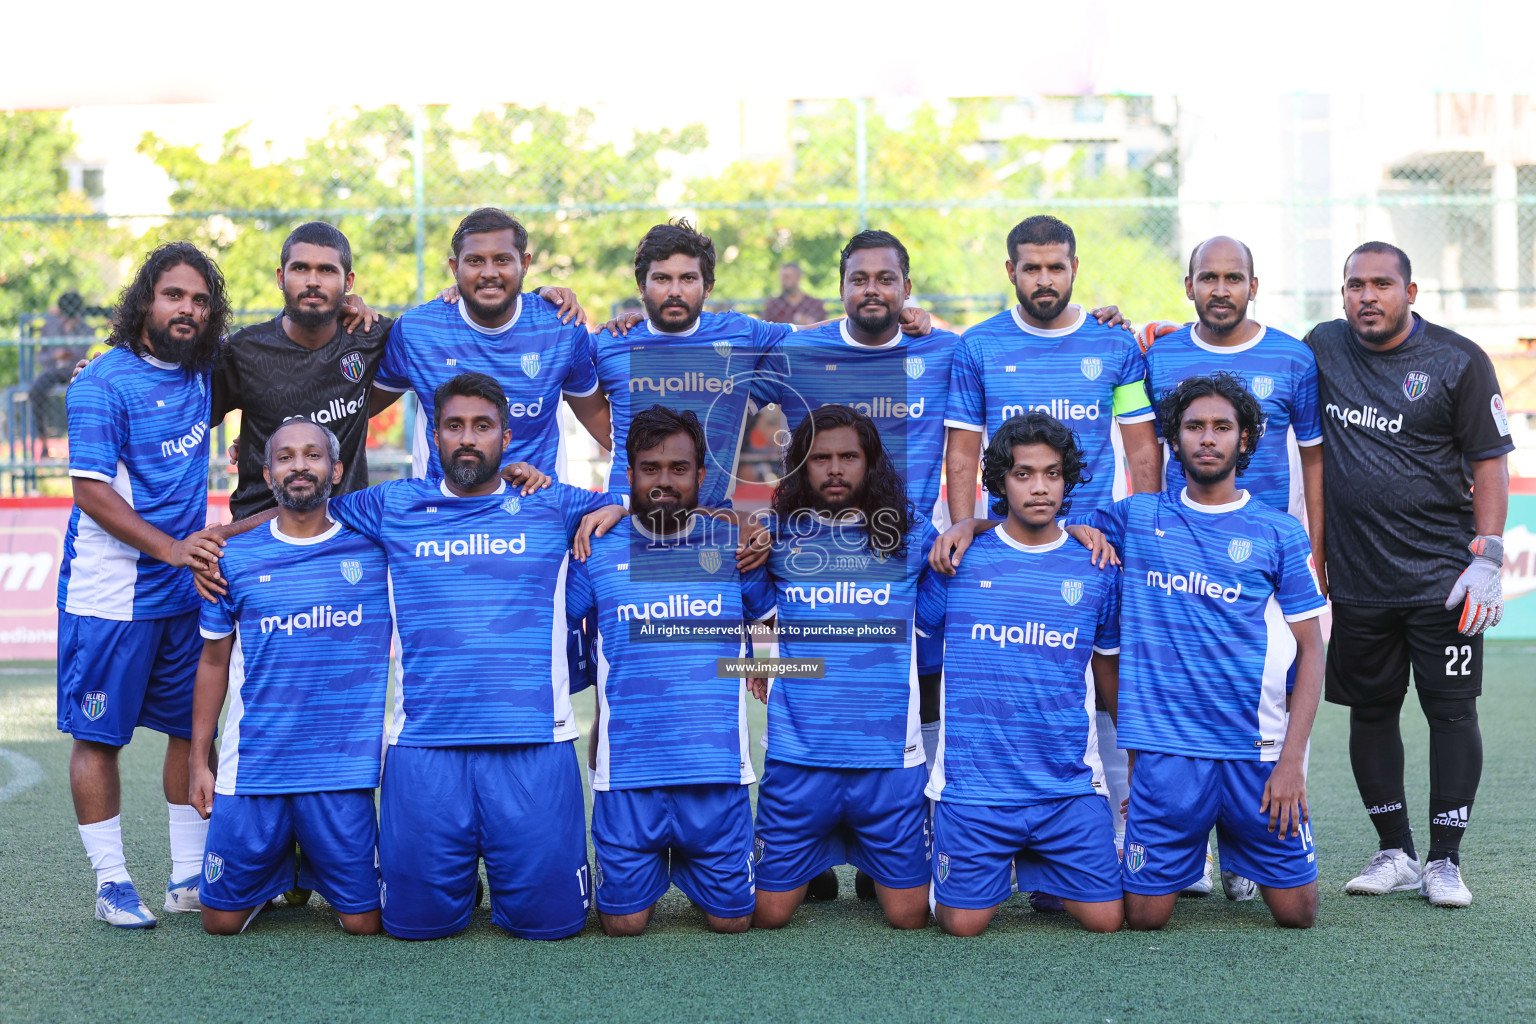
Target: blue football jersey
902, 386
141, 425
534, 357
1282, 374
310, 666
1020, 624
710, 369
840, 602
1208, 593
1084, 375
479, 600
667, 608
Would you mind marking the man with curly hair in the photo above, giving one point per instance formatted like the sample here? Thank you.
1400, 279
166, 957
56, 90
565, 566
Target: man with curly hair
844, 773
1017, 778
1220, 597
128, 637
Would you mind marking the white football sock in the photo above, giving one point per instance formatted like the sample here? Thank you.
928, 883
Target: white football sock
189, 835
931, 742
104, 846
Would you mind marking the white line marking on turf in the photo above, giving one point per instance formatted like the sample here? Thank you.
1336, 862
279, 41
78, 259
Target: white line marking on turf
25, 773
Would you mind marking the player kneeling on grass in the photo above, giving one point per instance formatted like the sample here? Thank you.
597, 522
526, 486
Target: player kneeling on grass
1018, 777
844, 775
300, 643
671, 766
1219, 598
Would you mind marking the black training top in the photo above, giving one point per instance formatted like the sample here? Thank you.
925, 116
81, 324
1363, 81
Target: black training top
271, 378
1400, 427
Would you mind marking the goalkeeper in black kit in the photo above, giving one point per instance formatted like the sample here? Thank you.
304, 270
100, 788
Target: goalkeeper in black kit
1416, 489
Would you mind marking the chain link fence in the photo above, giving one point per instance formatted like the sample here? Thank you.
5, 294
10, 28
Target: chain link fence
949, 178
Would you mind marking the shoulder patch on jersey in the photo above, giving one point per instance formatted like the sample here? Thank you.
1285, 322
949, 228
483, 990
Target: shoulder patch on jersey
1415, 384
1500, 420
1263, 387
1071, 591
530, 363
351, 570
1092, 367
352, 366
1240, 548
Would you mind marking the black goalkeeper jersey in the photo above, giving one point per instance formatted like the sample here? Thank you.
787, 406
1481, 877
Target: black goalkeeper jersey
271, 378
1400, 427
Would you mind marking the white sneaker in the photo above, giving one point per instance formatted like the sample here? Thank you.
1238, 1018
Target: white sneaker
1388, 871
181, 897
118, 904
1441, 884
1203, 886
1238, 888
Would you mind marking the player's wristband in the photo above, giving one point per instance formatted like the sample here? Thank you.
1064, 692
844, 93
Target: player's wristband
1488, 546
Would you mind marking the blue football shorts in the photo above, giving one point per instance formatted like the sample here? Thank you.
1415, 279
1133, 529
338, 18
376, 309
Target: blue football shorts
1064, 847
115, 676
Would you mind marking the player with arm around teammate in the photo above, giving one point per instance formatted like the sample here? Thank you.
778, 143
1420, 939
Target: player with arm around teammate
1017, 778
480, 760
300, 643
1219, 597
671, 765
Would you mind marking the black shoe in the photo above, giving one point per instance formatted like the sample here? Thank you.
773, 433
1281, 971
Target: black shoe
822, 888
863, 886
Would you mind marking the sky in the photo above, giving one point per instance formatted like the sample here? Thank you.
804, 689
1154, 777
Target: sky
392, 51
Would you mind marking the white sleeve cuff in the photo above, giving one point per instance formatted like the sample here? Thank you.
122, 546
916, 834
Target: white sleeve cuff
1308, 444
1137, 417
91, 474
1106, 650
209, 634
582, 394
962, 425
385, 387
1311, 613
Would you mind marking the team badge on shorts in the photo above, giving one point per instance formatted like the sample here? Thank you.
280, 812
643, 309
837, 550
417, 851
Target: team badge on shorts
530, 363
94, 705
1263, 387
597, 873
915, 367
1092, 367
213, 866
757, 848
723, 349
709, 559
351, 570
352, 366
1071, 591
1135, 857
943, 867
1240, 549
1415, 384
511, 505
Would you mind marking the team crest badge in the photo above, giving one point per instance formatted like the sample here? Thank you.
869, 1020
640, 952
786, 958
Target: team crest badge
94, 705
213, 867
351, 570
1240, 549
531, 363
1071, 591
1093, 366
511, 505
757, 848
1263, 387
915, 367
1415, 384
1135, 857
723, 349
597, 874
709, 559
943, 867
352, 366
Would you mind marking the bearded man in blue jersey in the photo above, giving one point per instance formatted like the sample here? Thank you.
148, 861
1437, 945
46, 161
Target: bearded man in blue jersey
1220, 597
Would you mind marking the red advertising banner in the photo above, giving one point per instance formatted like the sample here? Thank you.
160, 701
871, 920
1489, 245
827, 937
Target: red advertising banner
31, 548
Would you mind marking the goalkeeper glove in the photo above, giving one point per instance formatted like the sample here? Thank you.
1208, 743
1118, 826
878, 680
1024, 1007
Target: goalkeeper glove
1152, 330
1481, 586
